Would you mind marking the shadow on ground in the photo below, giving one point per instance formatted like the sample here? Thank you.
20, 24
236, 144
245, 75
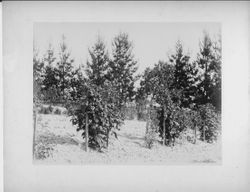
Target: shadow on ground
130, 137
51, 138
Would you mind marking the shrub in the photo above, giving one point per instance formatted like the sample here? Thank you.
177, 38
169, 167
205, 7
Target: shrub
149, 139
50, 108
141, 109
193, 122
129, 112
41, 109
141, 116
64, 112
210, 123
176, 122
152, 128
46, 109
43, 151
58, 111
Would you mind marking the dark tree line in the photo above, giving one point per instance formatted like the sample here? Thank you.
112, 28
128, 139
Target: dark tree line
187, 93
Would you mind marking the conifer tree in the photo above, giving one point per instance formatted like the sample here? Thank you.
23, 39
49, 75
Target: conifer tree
64, 70
181, 62
38, 73
75, 83
98, 64
209, 62
50, 81
216, 66
122, 68
95, 112
182, 80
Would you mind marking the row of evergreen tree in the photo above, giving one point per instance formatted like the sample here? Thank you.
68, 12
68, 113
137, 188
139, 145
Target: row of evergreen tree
188, 92
55, 78
99, 92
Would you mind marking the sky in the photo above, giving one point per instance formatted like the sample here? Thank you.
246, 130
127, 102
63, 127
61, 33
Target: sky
151, 41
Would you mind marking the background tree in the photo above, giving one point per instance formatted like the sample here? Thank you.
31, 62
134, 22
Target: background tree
122, 68
210, 122
208, 87
38, 75
216, 67
146, 88
98, 64
169, 100
50, 81
182, 76
64, 71
191, 92
158, 82
208, 70
75, 83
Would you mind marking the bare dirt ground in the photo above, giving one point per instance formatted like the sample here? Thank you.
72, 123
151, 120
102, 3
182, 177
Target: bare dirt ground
57, 142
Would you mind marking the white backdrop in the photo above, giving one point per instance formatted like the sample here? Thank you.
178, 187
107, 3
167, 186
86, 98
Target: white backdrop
19, 172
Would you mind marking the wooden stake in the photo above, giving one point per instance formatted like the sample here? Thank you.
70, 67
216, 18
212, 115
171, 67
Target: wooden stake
195, 134
204, 133
148, 119
164, 127
87, 133
107, 142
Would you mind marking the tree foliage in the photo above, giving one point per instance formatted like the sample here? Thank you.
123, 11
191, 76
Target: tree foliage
64, 69
181, 62
96, 97
98, 65
38, 71
122, 68
210, 122
50, 82
98, 103
159, 83
209, 63
183, 73
151, 126
187, 92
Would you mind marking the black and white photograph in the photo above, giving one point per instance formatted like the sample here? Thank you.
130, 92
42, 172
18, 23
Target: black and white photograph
148, 96
127, 93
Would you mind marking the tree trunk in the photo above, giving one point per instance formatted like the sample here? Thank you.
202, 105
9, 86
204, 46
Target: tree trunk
149, 116
63, 86
147, 126
204, 136
87, 134
107, 143
164, 127
195, 130
34, 131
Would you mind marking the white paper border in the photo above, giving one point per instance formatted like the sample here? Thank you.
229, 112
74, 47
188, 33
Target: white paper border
21, 175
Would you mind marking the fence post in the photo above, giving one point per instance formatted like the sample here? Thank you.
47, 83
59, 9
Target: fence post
164, 126
148, 120
204, 133
87, 133
195, 128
